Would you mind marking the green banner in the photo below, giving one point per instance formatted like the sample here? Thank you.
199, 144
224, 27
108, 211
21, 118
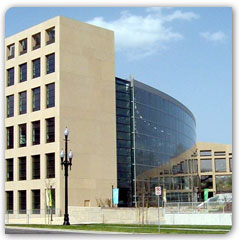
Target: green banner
205, 196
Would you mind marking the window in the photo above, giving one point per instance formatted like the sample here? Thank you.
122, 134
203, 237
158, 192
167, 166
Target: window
9, 168
10, 77
22, 194
50, 157
36, 41
222, 153
207, 182
36, 201
10, 106
10, 137
35, 132
50, 37
220, 164
36, 99
23, 46
22, 168
50, 126
50, 63
206, 165
36, 167
230, 164
11, 51
223, 184
205, 153
22, 102
36, 66
9, 202
50, 95
23, 72
22, 135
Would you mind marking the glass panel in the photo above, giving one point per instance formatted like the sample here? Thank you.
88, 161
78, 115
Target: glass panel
206, 165
224, 184
220, 164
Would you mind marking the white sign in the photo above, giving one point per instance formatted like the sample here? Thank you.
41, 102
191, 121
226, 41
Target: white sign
158, 191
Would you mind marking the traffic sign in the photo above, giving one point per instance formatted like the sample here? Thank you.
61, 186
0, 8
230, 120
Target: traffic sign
158, 191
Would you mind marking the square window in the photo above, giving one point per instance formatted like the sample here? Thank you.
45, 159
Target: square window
10, 106
10, 77
10, 51
23, 102
50, 95
10, 137
22, 135
50, 35
36, 41
36, 99
36, 68
23, 72
23, 46
50, 127
50, 63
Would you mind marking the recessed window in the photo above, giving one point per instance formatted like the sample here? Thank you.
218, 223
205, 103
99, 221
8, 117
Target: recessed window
10, 106
36, 132
22, 168
10, 77
50, 35
206, 165
23, 102
9, 202
50, 63
230, 164
36, 41
10, 138
50, 95
36, 167
36, 99
220, 164
23, 72
22, 135
23, 46
36, 203
50, 157
50, 127
220, 153
9, 168
205, 153
10, 51
22, 194
36, 66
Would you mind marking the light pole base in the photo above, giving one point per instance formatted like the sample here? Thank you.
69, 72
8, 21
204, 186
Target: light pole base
66, 219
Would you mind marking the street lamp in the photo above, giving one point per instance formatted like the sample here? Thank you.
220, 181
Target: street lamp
66, 162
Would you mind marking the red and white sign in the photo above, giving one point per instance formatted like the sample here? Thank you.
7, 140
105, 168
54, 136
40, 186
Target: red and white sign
158, 191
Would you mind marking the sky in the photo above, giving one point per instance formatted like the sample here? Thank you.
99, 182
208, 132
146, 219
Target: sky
185, 52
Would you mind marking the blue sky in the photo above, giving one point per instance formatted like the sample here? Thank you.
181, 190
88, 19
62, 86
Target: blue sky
185, 52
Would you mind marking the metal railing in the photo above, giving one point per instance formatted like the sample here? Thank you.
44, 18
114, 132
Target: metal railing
197, 207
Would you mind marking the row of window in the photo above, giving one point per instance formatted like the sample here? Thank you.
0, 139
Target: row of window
35, 42
35, 171
36, 69
35, 129
204, 153
22, 201
220, 165
36, 100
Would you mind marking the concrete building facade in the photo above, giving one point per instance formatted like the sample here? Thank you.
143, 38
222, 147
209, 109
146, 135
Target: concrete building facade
56, 72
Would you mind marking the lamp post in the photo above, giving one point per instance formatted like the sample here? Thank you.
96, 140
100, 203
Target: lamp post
66, 162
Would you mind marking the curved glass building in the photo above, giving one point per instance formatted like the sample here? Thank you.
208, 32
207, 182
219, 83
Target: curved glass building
155, 146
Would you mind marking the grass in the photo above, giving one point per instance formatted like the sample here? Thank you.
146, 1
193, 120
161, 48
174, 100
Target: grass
131, 228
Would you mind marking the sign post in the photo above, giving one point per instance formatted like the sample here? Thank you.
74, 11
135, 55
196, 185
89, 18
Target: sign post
158, 192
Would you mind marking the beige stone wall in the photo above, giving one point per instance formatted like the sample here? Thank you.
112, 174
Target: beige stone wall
87, 108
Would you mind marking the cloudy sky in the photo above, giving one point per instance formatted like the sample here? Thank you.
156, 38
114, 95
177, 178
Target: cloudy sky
185, 52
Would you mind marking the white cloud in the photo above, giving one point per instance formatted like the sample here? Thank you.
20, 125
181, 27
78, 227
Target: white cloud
214, 37
140, 36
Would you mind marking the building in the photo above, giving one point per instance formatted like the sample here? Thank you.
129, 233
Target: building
215, 168
123, 133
